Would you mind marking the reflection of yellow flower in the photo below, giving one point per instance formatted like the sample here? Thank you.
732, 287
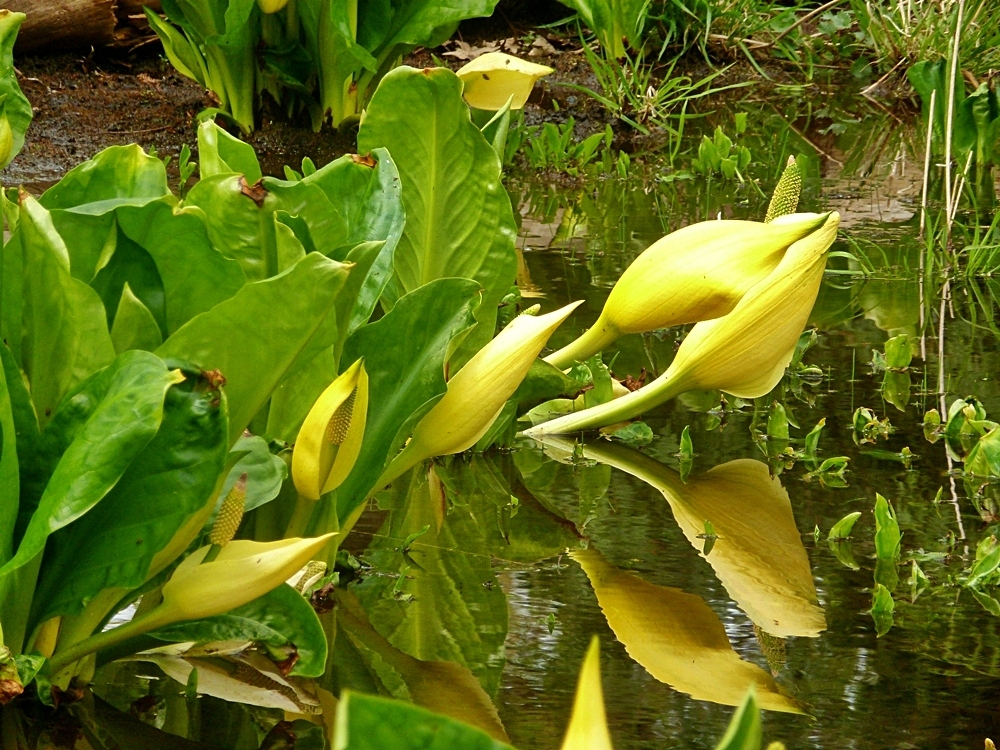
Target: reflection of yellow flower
759, 556
329, 440
697, 273
743, 353
677, 637
477, 394
588, 725
492, 79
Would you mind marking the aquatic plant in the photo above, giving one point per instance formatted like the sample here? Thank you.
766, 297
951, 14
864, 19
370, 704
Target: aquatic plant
15, 109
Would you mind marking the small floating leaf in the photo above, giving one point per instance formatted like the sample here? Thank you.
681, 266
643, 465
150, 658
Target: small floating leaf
887, 534
686, 453
842, 529
634, 435
881, 611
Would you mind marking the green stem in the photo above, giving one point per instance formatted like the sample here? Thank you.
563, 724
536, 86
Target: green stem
621, 409
139, 626
596, 338
301, 514
406, 460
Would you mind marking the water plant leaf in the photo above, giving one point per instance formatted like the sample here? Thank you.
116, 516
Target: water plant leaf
842, 529
175, 473
984, 457
842, 551
368, 723
65, 330
812, 440
744, 731
677, 637
282, 619
686, 453
9, 479
16, 107
134, 326
882, 609
89, 443
887, 534
405, 354
263, 334
459, 220
222, 153
265, 473
634, 434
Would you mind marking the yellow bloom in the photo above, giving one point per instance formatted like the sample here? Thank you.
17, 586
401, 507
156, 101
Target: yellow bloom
477, 394
272, 6
243, 571
743, 353
697, 273
329, 440
492, 79
588, 725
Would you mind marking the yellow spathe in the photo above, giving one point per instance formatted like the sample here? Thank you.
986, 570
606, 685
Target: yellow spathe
588, 724
494, 78
677, 638
329, 440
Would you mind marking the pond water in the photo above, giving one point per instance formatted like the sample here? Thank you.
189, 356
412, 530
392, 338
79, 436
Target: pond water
529, 553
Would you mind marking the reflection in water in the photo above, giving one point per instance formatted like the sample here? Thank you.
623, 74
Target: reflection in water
758, 556
677, 637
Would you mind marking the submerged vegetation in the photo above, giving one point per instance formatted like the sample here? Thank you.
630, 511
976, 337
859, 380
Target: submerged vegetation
294, 446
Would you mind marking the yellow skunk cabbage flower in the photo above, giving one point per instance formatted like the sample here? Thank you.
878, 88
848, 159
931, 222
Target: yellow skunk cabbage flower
697, 273
243, 571
272, 6
478, 392
491, 79
329, 440
743, 353
588, 725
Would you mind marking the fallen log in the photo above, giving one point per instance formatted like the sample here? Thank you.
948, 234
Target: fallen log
73, 24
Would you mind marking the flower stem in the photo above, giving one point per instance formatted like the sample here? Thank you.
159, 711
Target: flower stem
596, 338
139, 626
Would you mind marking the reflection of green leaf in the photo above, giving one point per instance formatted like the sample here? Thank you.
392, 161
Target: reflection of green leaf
842, 529
635, 434
457, 613
686, 453
368, 723
881, 611
842, 551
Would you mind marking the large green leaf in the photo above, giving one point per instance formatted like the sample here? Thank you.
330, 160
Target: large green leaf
240, 218
405, 353
221, 153
167, 483
459, 220
16, 107
451, 607
385, 26
369, 199
282, 618
9, 483
365, 722
117, 176
94, 437
264, 333
194, 275
65, 331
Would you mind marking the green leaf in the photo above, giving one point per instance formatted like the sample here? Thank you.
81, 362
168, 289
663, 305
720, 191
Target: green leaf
881, 611
369, 199
405, 353
240, 218
282, 618
134, 326
221, 153
117, 176
459, 220
842, 551
9, 481
263, 334
16, 107
744, 731
686, 453
368, 723
97, 433
636, 434
842, 529
984, 458
383, 28
65, 328
166, 484
812, 440
265, 473
887, 534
